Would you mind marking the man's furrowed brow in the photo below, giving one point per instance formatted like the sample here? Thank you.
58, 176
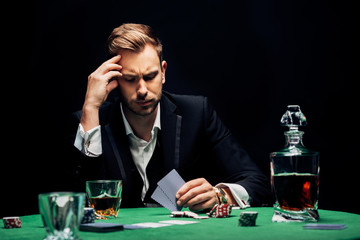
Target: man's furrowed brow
152, 73
130, 75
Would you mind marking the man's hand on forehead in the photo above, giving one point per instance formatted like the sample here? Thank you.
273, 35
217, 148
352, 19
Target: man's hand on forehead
99, 86
99, 82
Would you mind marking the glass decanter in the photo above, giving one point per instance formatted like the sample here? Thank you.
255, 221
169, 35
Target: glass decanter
295, 173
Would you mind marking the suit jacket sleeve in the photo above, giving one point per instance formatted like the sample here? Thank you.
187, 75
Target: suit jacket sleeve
231, 161
80, 167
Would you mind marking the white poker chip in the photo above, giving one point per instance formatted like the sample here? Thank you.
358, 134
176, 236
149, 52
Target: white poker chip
201, 217
177, 214
190, 214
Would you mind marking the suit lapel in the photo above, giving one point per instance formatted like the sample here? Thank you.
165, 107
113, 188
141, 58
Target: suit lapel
170, 130
120, 146
115, 131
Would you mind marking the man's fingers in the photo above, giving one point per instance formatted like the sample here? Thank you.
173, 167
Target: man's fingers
183, 200
114, 59
189, 185
194, 192
109, 65
199, 199
113, 83
112, 74
111, 86
100, 84
203, 205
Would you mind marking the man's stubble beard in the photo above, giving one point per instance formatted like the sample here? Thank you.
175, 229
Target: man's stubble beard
128, 106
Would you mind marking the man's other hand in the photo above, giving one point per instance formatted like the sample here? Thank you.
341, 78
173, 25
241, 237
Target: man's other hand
197, 194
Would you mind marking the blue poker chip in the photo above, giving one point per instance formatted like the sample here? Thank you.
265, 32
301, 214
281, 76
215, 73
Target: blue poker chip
89, 215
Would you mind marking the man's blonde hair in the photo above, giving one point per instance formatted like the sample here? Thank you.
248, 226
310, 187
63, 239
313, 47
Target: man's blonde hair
133, 37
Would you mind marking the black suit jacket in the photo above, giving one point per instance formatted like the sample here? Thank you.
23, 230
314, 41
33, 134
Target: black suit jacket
192, 140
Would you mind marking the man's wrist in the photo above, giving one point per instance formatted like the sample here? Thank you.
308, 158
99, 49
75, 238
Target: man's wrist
90, 107
89, 117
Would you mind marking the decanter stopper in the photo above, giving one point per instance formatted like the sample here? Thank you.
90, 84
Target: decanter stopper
293, 118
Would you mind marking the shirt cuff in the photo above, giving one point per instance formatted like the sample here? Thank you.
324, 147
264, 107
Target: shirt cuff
239, 193
89, 143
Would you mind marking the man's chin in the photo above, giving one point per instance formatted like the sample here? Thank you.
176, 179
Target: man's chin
143, 111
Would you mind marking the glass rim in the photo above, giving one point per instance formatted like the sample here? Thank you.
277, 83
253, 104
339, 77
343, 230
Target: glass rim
61, 194
104, 181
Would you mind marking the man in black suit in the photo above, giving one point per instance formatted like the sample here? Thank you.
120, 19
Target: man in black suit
147, 132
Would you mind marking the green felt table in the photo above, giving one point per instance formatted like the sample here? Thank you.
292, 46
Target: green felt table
213, 228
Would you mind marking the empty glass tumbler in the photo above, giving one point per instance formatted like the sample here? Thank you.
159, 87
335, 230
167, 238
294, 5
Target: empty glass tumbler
61, 213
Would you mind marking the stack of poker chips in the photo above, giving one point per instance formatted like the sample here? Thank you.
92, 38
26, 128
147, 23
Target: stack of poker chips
247, 219
89, 215
12, 222
220, 211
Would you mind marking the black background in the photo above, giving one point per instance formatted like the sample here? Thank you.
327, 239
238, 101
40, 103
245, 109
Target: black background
251, 58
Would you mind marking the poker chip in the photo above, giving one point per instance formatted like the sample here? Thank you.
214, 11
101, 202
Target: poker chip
220, 211
201, 217
177, 214
247, 219
89, 215
12, 222
187, 214
190, 214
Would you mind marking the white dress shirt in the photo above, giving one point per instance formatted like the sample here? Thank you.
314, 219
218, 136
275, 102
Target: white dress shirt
89, 143
142, 150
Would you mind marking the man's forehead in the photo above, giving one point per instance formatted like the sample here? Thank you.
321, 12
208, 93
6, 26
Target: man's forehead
133, 72
146, 60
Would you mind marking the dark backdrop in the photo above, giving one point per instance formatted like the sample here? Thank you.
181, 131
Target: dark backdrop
251, 58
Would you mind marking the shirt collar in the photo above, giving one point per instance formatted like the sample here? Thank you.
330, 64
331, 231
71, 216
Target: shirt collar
128, 128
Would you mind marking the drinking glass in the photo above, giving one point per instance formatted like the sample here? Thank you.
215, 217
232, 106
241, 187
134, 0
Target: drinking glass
61, 213
105, 197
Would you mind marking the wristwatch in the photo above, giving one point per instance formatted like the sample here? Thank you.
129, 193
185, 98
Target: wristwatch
221, 195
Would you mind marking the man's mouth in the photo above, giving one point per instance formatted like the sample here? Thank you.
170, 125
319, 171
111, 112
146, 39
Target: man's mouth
144, 103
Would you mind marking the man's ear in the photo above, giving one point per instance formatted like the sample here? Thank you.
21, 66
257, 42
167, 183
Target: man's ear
163, 69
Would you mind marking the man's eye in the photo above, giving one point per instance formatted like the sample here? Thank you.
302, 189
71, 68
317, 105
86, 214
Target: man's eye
150, 77
129, 79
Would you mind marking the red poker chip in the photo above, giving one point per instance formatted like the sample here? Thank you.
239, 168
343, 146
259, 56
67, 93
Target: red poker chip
220, 211
12, 222
177, 214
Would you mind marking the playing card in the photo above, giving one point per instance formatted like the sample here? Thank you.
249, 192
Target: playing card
150, 225
163, 199
134, 227
178, 222
165, 193
170, 184
324, 226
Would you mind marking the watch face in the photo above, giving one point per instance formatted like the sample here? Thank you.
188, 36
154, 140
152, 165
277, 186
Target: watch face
221, 196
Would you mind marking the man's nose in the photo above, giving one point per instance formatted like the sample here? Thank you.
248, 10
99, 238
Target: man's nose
142, 89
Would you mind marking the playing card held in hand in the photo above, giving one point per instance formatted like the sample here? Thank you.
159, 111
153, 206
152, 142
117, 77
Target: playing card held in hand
165, 193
